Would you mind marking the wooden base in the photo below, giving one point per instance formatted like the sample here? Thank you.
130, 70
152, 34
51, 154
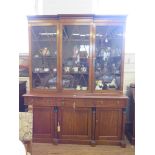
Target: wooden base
74, 141
121, 143
42, 140
93, 143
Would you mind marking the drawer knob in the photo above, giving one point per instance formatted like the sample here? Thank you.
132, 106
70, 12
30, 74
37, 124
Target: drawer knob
117, 102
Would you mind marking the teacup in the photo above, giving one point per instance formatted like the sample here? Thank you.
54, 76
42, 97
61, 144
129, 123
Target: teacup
54, 69
46, 69
78, 87
84, 88
37, 69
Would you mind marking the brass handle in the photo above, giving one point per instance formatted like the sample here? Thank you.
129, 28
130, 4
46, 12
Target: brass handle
63, 103
58, 127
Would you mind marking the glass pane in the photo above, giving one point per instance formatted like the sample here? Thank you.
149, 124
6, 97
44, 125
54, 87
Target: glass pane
44, 57
108, 49
75, 53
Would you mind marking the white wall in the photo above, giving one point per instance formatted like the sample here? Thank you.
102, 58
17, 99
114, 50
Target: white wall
129, 70
67, 6
84, 6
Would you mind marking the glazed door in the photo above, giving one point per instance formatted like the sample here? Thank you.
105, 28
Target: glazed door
108, 62
43, 56
43, 124
108, 124
75, 125
75, 49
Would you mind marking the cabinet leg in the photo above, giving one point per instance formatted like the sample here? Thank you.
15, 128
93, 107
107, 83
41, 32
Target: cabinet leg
93, 143
123, 143
55, 141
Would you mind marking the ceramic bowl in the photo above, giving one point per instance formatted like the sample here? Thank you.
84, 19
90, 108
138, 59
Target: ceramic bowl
84, 88
46, 69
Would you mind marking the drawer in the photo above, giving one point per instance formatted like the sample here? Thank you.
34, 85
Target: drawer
43, 101
69, 103
75, 103
110, 103
84, 103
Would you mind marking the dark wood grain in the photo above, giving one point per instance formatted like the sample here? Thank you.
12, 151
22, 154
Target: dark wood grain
75, 123
108, 124
42, 124
73, 116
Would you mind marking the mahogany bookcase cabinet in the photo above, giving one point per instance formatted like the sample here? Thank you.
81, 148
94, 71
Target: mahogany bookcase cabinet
76, 78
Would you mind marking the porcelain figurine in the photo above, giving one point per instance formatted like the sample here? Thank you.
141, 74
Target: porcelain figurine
83, 69
112, 84
99, 85
78, 87
67, 69
45, 51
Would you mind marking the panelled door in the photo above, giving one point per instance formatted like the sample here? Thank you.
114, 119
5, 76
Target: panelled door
43, 124
108, 124
74, 124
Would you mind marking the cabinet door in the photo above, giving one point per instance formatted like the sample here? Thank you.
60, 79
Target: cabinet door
42, 124
75, 57
44, 57
108, 124
108, 64
75, 124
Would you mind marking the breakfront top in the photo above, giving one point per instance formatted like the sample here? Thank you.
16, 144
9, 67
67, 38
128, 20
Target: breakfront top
76, 54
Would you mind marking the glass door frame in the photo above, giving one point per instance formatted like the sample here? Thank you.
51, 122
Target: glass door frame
43, 23
108, 23
87, 22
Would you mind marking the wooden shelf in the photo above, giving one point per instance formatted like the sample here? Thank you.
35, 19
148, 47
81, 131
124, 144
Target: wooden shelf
44, 56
